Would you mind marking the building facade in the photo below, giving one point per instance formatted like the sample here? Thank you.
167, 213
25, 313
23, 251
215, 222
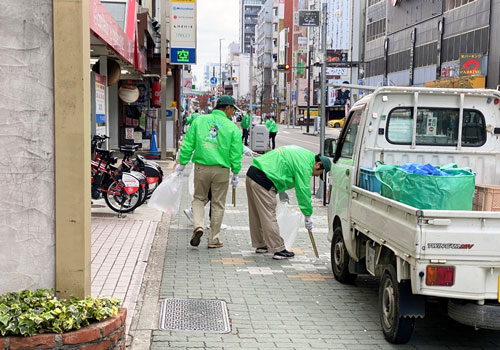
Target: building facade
249, 11
263, 40
446, 43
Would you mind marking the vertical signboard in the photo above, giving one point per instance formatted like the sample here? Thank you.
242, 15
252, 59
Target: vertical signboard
183, 31
100, 104
338, 31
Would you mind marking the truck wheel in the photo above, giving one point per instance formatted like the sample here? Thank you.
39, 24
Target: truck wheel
340, 258
485, 316
397, 329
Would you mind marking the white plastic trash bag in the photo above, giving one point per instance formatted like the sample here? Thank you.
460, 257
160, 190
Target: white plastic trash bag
288, 222
167, 197
191, 181
247, 151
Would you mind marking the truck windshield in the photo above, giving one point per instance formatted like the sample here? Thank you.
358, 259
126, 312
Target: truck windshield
436, 126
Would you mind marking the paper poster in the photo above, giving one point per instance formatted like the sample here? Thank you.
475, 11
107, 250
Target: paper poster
129, 133
137, 136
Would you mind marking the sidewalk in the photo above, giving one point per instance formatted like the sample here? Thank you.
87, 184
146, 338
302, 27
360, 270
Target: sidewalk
120, 249
271, 304
266, 298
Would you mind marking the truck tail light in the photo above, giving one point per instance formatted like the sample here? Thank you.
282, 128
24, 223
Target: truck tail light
440, 276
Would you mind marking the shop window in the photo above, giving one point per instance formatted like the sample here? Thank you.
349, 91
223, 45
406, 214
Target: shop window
375, 30
436, 126
453, 4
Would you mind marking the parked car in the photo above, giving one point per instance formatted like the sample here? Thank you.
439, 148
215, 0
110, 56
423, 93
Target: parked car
336, 123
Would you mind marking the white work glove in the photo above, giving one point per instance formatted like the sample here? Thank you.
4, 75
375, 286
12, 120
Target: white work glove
234, 180
247, 151
179, 168
309, 223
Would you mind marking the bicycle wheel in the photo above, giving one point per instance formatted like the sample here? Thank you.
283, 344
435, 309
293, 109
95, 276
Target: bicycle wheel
121, 202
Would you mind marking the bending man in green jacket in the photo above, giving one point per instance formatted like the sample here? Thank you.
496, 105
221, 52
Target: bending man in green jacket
274, 172
245, 126
217, 146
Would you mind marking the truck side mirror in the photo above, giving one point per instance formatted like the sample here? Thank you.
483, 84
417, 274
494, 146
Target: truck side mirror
330, 147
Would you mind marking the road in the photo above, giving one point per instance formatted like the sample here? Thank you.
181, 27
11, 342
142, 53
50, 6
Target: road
297, 136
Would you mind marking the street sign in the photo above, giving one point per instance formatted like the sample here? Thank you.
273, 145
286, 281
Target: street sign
182, 56
220, 89
308, 18
294, 95
213, 80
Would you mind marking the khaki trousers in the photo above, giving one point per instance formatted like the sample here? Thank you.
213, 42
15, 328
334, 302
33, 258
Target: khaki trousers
216, 178
264, 229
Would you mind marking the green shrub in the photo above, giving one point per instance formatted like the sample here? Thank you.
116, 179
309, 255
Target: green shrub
28, 313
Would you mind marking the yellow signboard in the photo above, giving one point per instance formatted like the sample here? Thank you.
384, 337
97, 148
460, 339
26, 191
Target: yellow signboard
474, 82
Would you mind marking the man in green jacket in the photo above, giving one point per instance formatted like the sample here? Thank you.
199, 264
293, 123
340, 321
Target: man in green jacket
193, 116
245, 126
275, 172
217, 146
273, 130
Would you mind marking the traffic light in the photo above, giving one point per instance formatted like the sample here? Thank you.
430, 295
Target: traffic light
235, 78
285, 67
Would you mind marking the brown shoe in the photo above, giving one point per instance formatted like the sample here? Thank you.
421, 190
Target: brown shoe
195, 239
215, 245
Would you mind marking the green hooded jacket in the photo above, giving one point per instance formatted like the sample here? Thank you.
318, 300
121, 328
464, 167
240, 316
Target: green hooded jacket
215, 140
271, 125
290, 167
245, 122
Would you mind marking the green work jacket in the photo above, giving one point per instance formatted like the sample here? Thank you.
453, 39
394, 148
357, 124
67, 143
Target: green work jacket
215, 140
290, 167
271, 126
245, 121
190, 119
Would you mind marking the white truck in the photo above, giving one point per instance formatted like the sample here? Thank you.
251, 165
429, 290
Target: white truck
418, 253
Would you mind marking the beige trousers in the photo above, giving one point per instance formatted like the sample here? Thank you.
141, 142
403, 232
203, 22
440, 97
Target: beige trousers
264, 229
208, 177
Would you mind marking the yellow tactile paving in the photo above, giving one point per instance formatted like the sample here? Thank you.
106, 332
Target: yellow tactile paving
311, 277
233, 261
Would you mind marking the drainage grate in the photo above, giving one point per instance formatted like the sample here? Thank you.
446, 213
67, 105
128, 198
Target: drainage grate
209, 316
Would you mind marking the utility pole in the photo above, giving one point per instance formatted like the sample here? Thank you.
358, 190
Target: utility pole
251, 75
262, 93
323, 92
220, 62
309, 88
162, 130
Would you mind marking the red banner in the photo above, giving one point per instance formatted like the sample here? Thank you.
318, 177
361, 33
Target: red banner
103, 25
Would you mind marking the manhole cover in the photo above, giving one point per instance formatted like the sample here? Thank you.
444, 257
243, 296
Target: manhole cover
209, 316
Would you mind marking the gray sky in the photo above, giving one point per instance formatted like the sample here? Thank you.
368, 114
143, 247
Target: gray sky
216, 19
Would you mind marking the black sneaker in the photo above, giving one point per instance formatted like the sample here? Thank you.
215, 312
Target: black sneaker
195, 240
284, 254
261, 250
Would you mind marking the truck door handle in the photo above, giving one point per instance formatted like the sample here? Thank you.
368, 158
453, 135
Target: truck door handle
347, 172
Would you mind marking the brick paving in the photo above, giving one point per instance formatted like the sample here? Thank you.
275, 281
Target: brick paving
293, 304
119, 252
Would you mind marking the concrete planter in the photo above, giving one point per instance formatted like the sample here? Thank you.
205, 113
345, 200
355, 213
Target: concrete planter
105, 335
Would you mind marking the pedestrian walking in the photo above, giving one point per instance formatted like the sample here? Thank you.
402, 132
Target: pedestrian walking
273, 130
214, 143
275, 172
245, 126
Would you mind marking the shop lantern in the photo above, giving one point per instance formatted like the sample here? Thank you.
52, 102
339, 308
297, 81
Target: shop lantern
157, 94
